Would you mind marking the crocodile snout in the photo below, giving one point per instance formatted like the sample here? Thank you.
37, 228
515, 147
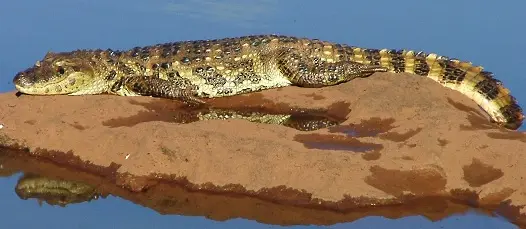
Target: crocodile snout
21, 79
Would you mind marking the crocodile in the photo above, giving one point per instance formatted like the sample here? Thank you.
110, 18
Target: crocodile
189, 71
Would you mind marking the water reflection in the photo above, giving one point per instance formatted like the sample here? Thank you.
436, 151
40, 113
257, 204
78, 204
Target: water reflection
54, 184
54, 191
252, 108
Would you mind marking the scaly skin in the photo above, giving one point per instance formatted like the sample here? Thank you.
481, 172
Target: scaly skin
190, 70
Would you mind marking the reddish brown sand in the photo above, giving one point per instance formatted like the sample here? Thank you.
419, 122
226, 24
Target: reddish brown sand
408, 146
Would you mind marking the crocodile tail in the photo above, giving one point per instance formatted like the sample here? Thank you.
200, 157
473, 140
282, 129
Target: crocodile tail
472, 81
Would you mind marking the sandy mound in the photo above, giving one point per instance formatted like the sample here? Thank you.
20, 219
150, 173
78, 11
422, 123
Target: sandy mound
391, 139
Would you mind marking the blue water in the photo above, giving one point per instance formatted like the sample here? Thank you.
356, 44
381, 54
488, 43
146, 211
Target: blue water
488, 33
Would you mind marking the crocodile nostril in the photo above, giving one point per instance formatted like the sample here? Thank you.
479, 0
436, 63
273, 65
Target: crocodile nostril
21, 79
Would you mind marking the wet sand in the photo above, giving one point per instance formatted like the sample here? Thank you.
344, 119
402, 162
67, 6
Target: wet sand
391, 145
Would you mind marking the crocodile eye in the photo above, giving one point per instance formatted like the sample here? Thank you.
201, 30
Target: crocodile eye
61, 70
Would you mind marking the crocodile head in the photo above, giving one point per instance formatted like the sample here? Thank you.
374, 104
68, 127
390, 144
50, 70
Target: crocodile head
58, 73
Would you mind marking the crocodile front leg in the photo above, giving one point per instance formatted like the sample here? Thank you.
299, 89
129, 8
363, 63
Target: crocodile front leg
178, 88
306, 70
